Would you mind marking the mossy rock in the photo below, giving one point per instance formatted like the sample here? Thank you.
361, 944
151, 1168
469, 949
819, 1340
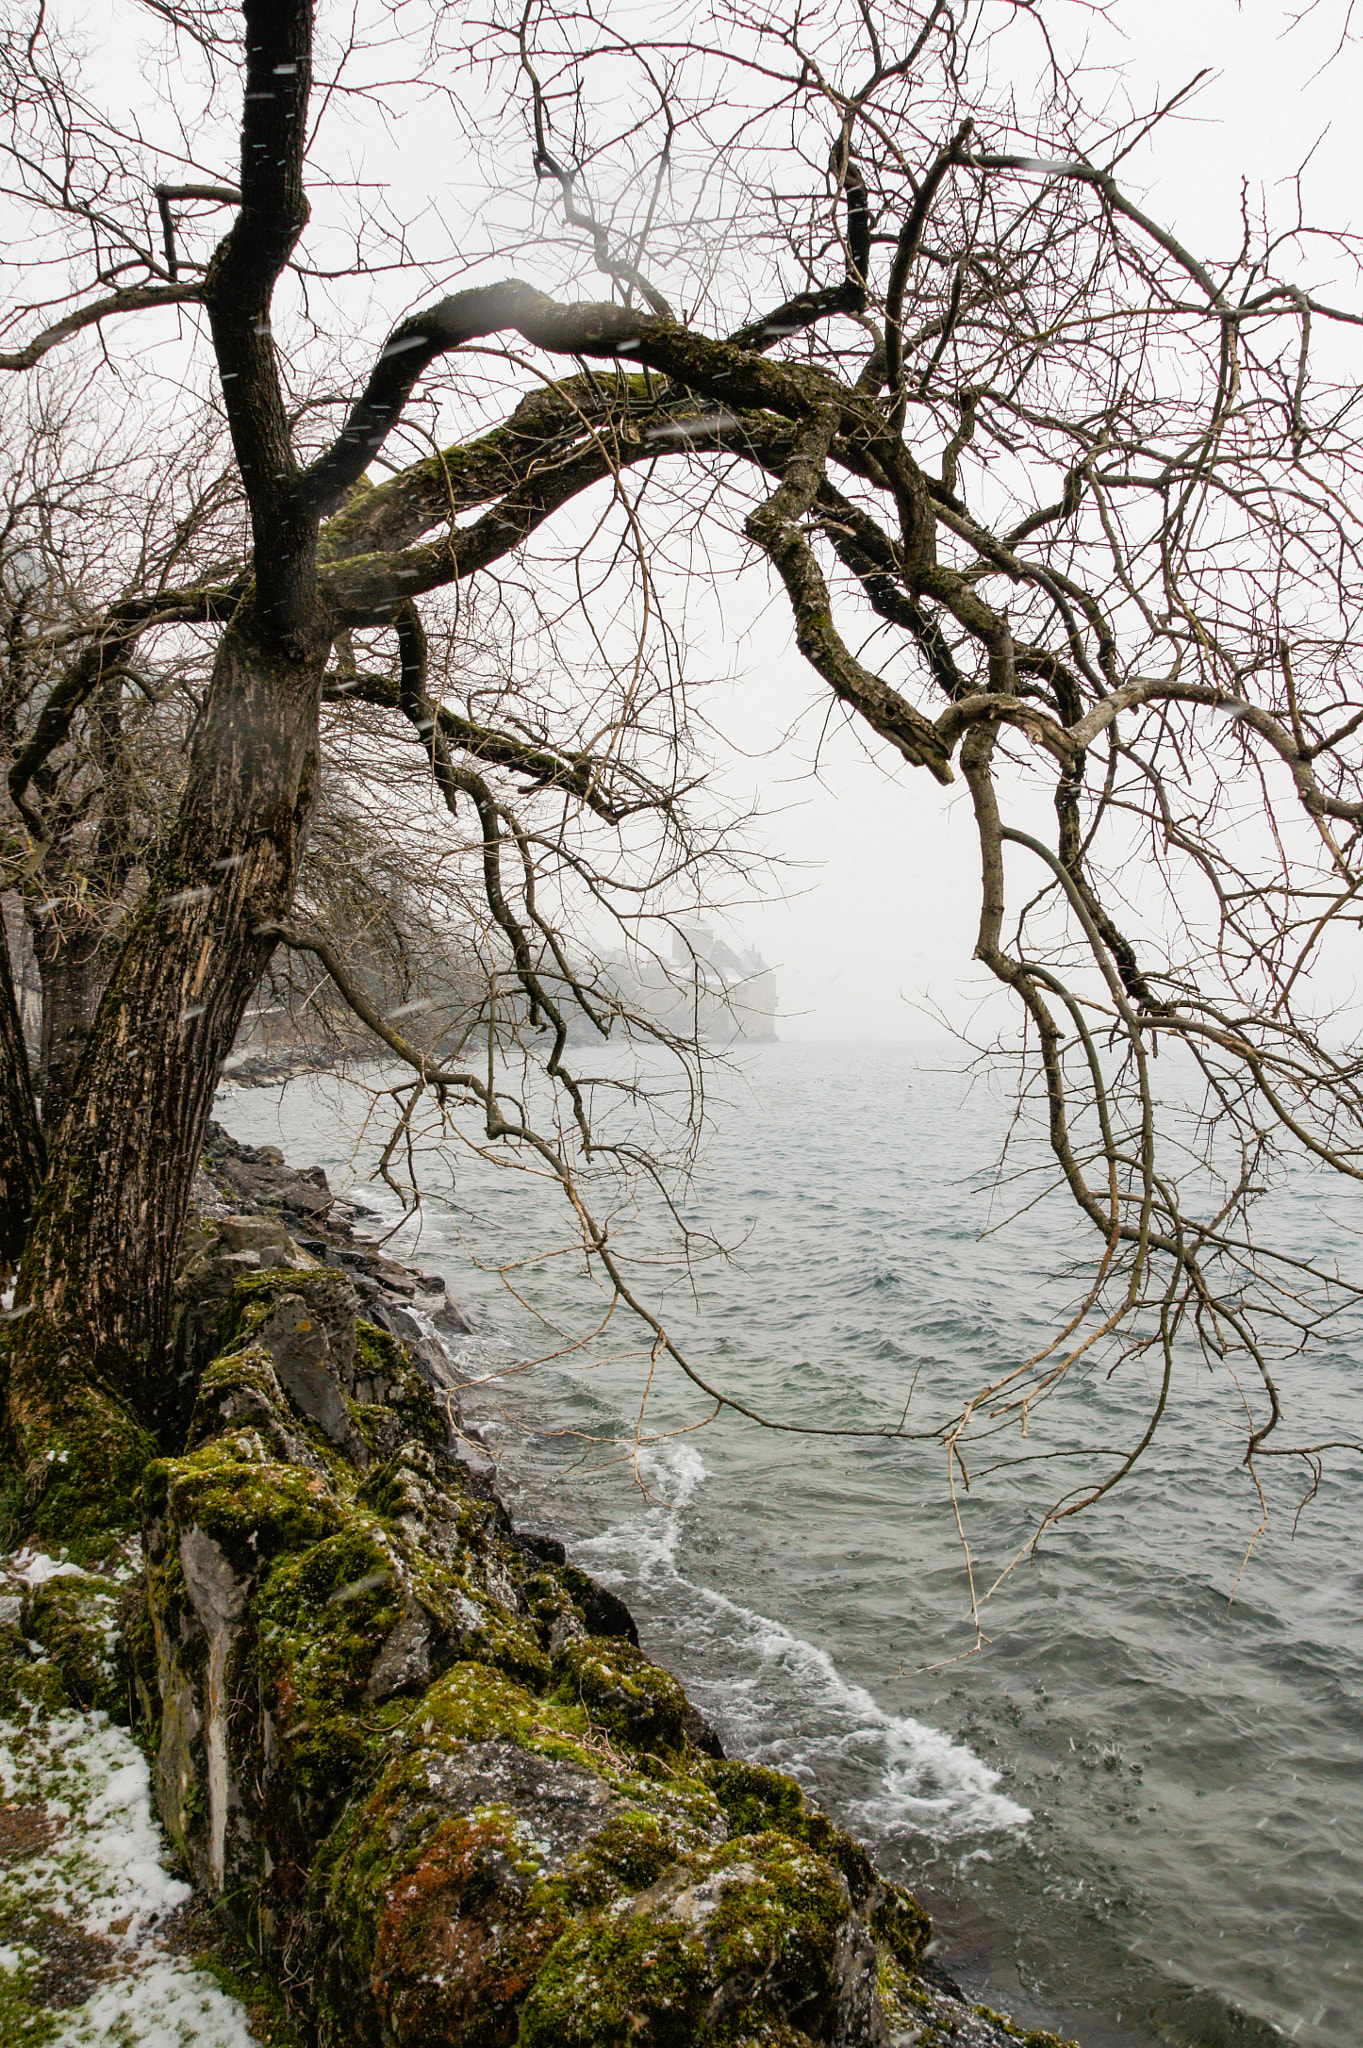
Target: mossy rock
742, 1945
462, 1936
239, 1391
456, 1873
251, 1303
754, 1797
31, 1688
624, 1693
473, 1703
323, 1614
633, 1851
253, 1507
75, 1620
511, 1646
636, 1984
463, 1809
322, 1620
776, 1925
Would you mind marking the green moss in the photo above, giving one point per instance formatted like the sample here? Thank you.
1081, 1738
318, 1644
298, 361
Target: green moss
754, 1798
400, 1488
900, 1924
732, 1949
23, 2016
137, 1641
905, 2002
785, 1915
30, 1688
11, 1500
633, 1700
643, 1982
82, 1474
75, 1621
379, 1356
251, 1506
323, 1617
473, 1703
633, 1850
508, 1645
383, 1836
244, 1378
383, 1361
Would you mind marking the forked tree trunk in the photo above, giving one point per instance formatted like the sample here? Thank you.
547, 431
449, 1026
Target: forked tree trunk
85, 1360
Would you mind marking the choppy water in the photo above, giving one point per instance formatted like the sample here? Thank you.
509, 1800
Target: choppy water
1138, 1812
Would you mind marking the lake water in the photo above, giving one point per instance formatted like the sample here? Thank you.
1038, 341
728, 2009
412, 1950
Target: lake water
1137, 1811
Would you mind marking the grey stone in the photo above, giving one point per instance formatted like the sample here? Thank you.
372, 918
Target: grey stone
565, 1805
264, 1235
403, 1665
859, 2018
297, 1340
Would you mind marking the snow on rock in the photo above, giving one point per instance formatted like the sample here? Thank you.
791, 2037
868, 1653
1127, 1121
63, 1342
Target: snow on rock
95, 1867
33, 1568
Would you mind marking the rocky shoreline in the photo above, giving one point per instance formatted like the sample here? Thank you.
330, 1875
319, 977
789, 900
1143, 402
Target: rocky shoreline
416, 1760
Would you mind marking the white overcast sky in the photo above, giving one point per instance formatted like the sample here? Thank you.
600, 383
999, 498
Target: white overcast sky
879, 921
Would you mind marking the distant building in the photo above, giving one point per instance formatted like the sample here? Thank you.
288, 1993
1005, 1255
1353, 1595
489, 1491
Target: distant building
706, 991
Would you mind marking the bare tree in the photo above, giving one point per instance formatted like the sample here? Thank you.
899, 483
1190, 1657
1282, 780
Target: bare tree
1058, 508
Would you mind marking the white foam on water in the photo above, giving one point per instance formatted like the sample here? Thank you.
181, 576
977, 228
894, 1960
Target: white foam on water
926, 1781
923, 1780
672, 1473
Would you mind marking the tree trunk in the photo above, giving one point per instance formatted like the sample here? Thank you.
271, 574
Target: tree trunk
75, 952
22, 1155
74, 966
86, 1360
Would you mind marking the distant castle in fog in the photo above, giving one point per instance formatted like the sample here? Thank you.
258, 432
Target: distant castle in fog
709, 990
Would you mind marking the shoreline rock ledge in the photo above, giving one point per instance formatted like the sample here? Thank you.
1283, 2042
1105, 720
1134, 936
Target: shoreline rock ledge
416, 1758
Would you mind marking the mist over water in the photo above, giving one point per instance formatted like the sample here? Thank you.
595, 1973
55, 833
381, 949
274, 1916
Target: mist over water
1137, 1812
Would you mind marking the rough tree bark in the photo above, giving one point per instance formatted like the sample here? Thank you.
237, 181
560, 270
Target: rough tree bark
86, 1357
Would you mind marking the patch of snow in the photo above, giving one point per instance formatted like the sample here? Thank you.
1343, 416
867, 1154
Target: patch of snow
35, 1568
167, 2004
107, 1869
